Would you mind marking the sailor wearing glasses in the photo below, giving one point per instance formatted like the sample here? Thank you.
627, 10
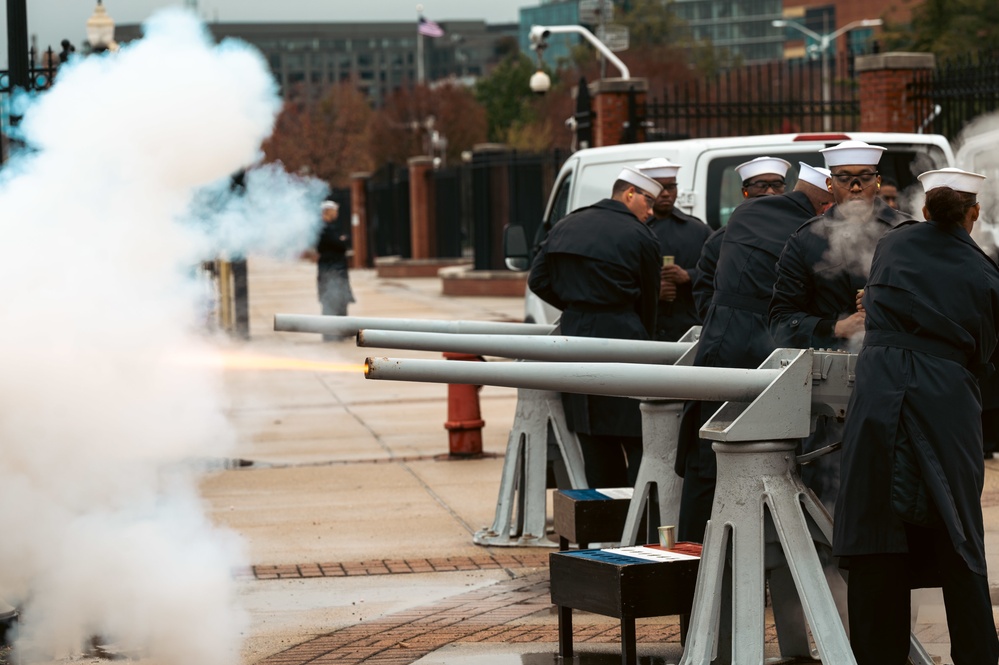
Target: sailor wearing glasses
600, 266
822, 266
761, 176
681, 237
828, 259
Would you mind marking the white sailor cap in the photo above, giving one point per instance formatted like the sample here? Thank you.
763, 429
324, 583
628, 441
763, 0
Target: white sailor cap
762, 165
329, 205
813, 175
852, 153
640, 180
658, 167
956, 179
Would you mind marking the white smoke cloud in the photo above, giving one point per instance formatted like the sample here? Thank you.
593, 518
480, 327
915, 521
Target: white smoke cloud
852, 241
104, 219
978, 151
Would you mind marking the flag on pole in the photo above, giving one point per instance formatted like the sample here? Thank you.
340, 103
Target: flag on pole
429, 28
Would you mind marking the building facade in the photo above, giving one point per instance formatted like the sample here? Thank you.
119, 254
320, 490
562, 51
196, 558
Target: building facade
742, 28
378, 58
826, 16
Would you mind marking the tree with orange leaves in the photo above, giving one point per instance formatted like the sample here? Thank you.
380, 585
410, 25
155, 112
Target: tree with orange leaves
328, 139
442, 120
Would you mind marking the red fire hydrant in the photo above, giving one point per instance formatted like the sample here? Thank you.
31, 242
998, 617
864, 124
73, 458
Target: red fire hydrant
464, 419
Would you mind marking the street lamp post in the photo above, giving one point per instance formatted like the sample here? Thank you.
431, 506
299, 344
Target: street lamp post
822, 46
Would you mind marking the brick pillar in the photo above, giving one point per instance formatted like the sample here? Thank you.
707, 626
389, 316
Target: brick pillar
885, 104
422, 220
359, 218
610, 108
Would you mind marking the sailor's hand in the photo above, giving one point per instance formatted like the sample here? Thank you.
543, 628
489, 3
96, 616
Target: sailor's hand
667, 290
850, 326
675, 274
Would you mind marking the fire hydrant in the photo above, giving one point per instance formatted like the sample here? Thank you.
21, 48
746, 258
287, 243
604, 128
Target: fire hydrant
464, 419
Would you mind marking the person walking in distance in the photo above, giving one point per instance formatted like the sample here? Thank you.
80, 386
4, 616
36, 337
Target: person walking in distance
330, 255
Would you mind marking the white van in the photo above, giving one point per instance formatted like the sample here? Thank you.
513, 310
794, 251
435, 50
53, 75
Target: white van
708, 186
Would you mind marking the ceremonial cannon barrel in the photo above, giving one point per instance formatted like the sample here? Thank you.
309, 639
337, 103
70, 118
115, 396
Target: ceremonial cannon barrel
716, 384
529, 347
350, 325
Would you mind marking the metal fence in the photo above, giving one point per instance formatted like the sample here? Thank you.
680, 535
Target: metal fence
956, 92
473, 202
508, 188
388, 212
40, 76
767, 98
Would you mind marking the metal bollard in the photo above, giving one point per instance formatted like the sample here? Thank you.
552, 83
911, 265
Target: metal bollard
464, 417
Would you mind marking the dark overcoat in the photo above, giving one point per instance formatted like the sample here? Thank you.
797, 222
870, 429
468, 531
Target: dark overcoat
703, 286
600, 266
932, 306
681, 236
735, 331
822, 266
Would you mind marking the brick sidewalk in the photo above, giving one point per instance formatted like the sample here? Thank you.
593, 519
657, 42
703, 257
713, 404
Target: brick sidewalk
502, 613
398, 566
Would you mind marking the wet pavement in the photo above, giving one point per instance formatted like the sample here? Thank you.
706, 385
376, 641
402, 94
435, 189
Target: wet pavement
358, 526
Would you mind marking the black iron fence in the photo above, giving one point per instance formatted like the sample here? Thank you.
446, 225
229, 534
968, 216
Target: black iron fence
451, 205
388, 212
40, 76
769, 98
508, 188
472, 204
956, 92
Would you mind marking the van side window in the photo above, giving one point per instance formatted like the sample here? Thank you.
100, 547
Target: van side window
560, 208
901, 163
725, 186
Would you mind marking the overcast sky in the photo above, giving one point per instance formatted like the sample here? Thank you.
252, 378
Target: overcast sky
55, 20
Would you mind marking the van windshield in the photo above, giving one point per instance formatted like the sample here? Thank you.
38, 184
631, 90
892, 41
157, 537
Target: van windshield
902, 163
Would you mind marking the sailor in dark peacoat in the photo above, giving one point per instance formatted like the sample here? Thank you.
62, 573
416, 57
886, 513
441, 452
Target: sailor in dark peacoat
820, 270
600, 266
912, 469
735, 332
681, 236
703, 288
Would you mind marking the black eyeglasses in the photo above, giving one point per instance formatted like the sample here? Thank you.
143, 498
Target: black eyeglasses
670, 187
763, 185
865, 179
648, 199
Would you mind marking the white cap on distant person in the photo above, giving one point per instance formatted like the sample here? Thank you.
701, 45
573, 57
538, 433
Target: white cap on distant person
658, 167
813, 175
852, 153
762, 166
956, 179
640, 180
329, 205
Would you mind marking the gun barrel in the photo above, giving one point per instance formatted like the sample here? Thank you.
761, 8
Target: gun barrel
350, 325
716, 384
530, 347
